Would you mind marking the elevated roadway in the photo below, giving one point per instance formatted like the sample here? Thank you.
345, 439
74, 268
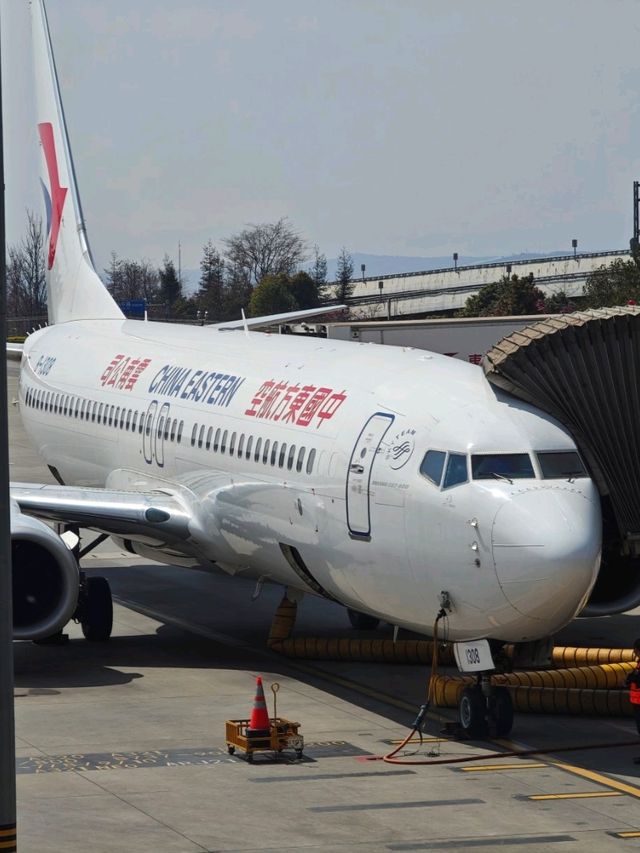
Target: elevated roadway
420, 293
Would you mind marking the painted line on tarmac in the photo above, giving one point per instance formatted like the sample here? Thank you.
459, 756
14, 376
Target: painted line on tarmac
418, 804
579, 795
488, 768
633, 834
492, 841
316, 777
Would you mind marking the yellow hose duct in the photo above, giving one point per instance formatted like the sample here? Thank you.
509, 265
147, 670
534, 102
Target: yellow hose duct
352, 649
593, 690
591, 681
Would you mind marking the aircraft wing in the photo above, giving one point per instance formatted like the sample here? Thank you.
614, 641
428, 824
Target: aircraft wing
155, 515
271, 319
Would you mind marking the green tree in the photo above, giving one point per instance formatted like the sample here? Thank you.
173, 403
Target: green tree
509, 297
211, 293
170, 284
318, 270
613, 284
344, 276
273, 295
559, 303
305, 290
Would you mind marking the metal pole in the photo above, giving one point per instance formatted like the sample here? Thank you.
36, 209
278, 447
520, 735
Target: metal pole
636, 210
7, 727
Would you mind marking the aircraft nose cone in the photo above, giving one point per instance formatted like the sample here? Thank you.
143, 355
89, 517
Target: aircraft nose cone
546, 551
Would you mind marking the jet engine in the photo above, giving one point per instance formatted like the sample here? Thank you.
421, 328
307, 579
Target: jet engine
46, 580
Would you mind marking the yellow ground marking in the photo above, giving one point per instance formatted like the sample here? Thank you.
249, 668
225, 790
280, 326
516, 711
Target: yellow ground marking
634, 834
607, 781
585, 795
485, 768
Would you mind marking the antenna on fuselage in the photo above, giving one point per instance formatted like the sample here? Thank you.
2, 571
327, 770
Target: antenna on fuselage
244, 322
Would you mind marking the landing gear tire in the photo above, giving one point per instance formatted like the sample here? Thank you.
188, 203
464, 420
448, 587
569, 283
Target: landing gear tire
96, 616
472, 712
502, 711
362, 621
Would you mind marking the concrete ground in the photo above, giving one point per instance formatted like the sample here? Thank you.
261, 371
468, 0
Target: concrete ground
121, 745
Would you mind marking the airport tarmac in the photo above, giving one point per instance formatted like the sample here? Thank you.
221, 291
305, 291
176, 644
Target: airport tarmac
121, 745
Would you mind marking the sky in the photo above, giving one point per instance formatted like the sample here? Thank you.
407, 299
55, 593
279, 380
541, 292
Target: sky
395, 127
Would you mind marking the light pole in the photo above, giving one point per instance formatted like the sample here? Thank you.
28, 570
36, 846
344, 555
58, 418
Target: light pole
574, 246
362, 269
455, 261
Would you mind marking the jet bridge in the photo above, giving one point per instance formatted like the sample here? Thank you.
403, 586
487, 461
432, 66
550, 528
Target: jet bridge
584, 370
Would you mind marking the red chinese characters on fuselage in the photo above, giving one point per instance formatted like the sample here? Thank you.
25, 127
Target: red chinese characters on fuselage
123, 372
302, 405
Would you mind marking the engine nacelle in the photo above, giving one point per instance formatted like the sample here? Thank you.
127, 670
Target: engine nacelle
46, 579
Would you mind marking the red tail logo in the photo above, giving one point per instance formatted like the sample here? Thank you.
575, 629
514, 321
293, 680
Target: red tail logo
58, 193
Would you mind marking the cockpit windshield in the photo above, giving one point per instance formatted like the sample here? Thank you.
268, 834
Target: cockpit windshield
561, 465
502, 466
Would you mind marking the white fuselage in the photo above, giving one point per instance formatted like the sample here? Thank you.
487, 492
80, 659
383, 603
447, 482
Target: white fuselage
301, 460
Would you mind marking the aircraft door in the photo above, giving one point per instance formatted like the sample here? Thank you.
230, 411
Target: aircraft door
148, 431
359, 473
155, 429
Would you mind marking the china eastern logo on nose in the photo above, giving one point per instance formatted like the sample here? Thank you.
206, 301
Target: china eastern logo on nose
54, 200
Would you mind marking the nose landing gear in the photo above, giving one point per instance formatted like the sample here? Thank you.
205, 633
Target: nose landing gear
485, 709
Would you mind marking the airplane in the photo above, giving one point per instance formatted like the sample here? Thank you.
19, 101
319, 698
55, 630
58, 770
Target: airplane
394, 481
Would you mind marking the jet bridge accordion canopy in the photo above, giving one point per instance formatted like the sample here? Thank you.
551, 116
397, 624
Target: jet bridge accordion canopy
584, 369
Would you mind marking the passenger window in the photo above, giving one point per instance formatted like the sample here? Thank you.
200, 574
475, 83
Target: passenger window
216, 440
274, 452
433, 465
201, 436
247, 453
456, 472
174, 425
240, 445
128, 423
82, 408
232, 443
100, 408
123, 412
300, 461
77, 411
223, 443
147, 428
292, 456
265, 452
181, 425
311, 459
94, 411
207, 445
283, 453
256, 457
193, 435
161, 427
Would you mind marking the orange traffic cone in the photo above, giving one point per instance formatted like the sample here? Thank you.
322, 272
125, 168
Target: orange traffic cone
259, 725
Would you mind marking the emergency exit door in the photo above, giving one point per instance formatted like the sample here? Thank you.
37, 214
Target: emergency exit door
359, 474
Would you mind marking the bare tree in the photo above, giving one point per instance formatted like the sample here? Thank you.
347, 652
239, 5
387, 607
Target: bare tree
268, 249
132, 279
26, 283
